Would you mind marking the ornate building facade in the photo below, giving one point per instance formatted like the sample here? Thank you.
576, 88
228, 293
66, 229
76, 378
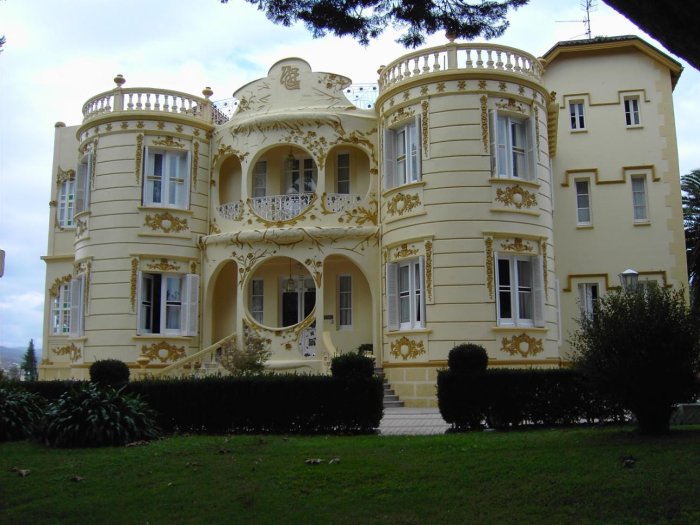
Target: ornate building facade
488, 196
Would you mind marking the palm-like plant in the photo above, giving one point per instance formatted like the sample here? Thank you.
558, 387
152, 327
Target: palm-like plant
690, 187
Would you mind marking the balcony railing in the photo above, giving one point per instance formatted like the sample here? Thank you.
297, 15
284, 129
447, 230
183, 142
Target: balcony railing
463, 56
337, 202
127, 100
230, 210
281, 207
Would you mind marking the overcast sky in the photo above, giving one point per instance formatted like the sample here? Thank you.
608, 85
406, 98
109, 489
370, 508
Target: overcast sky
60, 53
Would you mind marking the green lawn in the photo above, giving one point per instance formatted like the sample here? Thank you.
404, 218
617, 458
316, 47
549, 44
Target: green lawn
541, 476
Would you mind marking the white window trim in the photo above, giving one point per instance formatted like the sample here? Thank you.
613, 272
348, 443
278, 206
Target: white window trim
189, 304
513, 289
645, 194
306, 176
579, 222
259, 181
66, 204
502, 165
61, 310
588, 294
341, 292
257, 315
630, 113
392, 295
346, 179
412, 169
149, 179
577, 115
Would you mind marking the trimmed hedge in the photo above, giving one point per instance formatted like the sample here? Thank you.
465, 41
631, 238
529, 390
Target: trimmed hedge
352, 367
468, 358
109, 372
254, 404
505, 398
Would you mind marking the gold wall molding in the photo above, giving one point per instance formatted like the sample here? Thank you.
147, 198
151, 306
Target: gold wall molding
511, 105
537, 129
168, 142
402, 203
63, 176
484, 117
522, 344
81, 226
516, 196
401, 115
404, 251
56, 286
133, 284
488, 242
164, 266
193, 267
195, 163
482, 84
517, 245
425, 107
72, 351
545, 267
213, 227
429, 270
406, 348
290, 78
165, 222
226, 150
138, 162
361, 215
625, 173
246, 261
163, 352
315, 267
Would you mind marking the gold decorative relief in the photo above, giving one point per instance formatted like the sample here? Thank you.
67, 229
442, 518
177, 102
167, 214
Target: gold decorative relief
247, 261
63, 176
406, 95
228, 150
290, 77
140, 124
124, 125
316, 268
484, 119
406, 348
161, 125
179, 128
522, 344
195, 162
56, 286
517, 245
516, 196
163, 352
138, 162
429, 270
462, 85
489, 265
511, 105
521, 90
404, 251
424, 90
168, 142
81, 226
440, 87
424, 127
72, 351
164, 266
482, 84
213, 227
193, 267
502, 86
402, 114
545, 270
166, 222
134, 276
402, 203
537, 130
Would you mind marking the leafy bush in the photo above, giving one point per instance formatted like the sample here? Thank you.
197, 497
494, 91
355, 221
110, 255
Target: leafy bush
468, 358
20, 412
109, 372
641, 349
352, 366
246, 358
92, 416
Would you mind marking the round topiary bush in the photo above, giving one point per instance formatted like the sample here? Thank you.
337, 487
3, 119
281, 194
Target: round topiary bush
468, 358
352, 366
20, 413
90, 415
109, 372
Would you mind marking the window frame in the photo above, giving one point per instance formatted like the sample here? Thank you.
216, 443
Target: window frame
587, 195
61, 310
258, 314
342, 183
345, 322
66, 203
83, 176
645, 195
415, 294
514, 290
259, 179
157, 302
182, 163
577, 115
588, 294
503, 152
77, 307
632, 114
303, 169
403, 165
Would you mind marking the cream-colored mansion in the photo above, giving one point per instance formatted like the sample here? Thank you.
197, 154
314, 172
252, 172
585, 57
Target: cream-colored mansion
487, 196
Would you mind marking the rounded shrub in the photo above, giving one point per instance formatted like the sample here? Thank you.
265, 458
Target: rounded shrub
109, 372
468, 358
90, 415
20, 413
352, 366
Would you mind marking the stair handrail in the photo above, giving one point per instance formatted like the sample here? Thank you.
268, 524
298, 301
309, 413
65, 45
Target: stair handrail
206, 352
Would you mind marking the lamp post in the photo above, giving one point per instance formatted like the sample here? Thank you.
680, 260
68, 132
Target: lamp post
629, 280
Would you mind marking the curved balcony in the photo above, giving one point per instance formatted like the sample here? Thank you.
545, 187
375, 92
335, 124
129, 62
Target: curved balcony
125, 100
463, 56
281, 207
337, 202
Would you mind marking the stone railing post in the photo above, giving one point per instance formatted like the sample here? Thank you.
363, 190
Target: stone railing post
207, 106
118, 103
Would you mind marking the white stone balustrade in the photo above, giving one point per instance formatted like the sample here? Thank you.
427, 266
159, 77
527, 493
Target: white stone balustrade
462, 56
281, 207
154, 100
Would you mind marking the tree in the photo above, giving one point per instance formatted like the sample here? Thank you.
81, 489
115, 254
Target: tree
367, 19
29, 365
690, 187
642, 349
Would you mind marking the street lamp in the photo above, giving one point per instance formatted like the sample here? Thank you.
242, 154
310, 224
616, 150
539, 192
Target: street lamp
629, 280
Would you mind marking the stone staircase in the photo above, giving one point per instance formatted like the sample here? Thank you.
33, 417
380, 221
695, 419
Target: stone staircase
391, 400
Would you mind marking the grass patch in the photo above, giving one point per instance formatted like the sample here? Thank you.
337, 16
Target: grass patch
539, 476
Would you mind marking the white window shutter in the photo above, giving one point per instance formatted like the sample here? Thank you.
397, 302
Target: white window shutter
421, 274
139, 298
389, 159
392, 296
419, 148
189, 309
75, 328
531, 149
538, 290
80, 187
146, 168
186, 165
